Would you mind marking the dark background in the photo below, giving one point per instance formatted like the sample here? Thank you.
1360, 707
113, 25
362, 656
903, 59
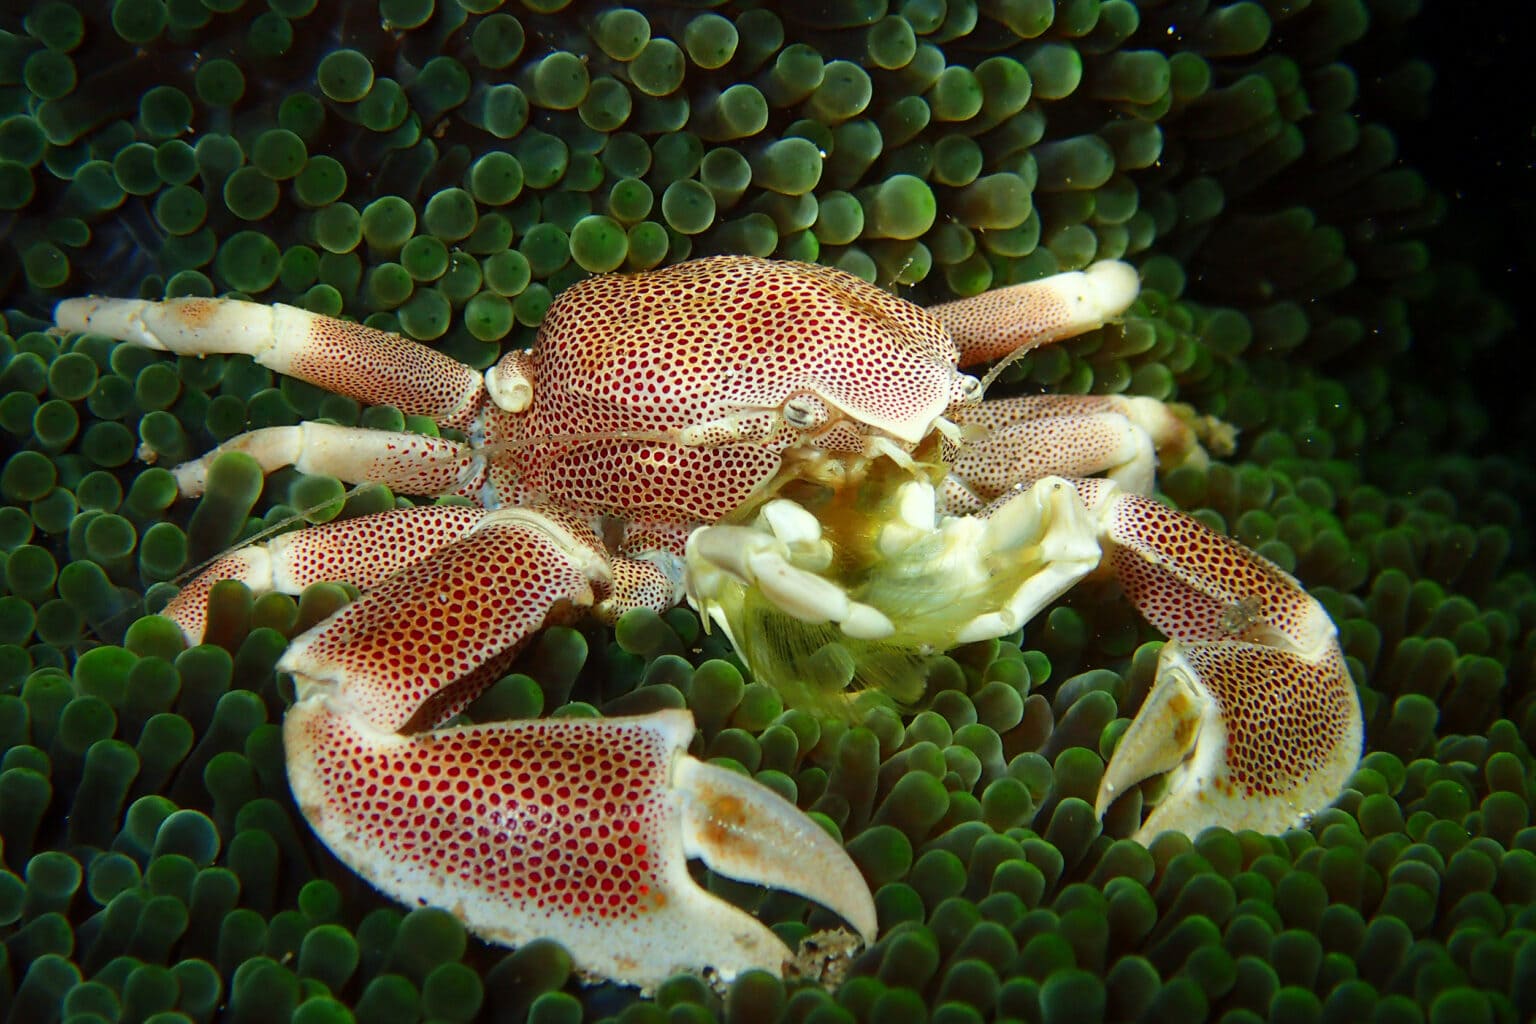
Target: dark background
1478, 147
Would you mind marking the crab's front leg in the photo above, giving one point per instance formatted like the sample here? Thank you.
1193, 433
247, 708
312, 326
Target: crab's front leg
1252, 715
577, 830
573, 829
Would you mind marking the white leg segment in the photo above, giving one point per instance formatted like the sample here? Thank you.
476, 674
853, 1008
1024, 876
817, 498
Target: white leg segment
404, 462
371, 366
1016, 319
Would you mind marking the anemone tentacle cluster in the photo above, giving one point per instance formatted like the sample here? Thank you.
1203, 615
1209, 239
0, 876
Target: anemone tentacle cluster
443, 168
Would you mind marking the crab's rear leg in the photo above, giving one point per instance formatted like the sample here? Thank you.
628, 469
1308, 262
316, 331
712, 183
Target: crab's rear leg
1252, 713
374, 367
363, 551
1014, 319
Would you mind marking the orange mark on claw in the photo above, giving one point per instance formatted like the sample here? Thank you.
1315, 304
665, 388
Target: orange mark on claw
727, 820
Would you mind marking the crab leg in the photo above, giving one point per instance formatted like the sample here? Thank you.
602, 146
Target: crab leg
374, 367
361, 551
417, 647
1036, 436
1020, 317
1252, 712
569, 829
371, 366
404, 462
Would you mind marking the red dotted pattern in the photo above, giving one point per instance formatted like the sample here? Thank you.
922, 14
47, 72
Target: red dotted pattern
365, 550
386, 369
639, 584
1285, 716
1210, 564
704, 340
646, 481
189, 608
456, 617
420, 464
361, 551
1001, 412
562, 816
996, 323
637, 538
1022, 452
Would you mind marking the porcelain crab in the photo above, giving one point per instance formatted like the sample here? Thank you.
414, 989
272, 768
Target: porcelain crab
800, 455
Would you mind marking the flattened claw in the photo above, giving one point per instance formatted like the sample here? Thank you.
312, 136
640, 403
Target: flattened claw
1252, 714
746, 831
573, 829
1251, 738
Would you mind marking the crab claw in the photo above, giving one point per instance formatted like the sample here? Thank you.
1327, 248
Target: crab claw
745, 830
1252, 714
573, 829
1249, 736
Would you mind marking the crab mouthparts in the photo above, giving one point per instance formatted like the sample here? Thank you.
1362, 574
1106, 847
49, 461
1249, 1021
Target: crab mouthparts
832, 594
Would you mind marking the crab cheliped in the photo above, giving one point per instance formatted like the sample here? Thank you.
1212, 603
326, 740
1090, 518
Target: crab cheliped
799, 455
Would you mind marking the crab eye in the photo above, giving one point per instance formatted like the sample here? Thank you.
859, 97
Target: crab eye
969, 388
803, 412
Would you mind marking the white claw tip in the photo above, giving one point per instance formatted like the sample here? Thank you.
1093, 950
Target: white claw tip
791, 523
191, 478
866, 623
1115, 285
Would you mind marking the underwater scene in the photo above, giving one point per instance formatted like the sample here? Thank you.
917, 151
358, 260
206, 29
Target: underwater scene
1252, 742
